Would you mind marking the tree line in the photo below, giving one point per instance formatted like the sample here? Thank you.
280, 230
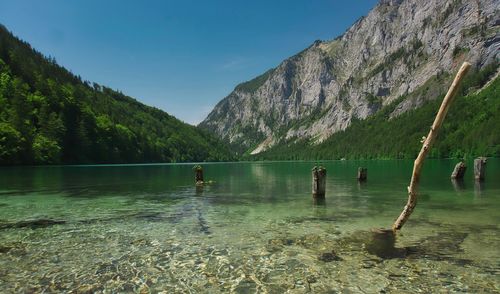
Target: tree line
50, 116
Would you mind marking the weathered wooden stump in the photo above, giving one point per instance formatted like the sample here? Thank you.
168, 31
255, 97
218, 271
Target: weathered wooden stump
479, 168
459, 171
198, 175
318, 181
362, 174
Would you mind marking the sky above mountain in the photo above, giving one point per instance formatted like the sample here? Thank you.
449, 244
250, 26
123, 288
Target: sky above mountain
180, 56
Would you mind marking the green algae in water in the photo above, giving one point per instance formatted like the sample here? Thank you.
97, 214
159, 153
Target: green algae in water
148, 228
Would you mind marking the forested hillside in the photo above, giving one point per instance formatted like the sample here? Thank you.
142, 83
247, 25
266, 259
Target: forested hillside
471, 127
49, 116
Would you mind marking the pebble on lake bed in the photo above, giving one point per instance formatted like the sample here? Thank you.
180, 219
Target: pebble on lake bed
329, 256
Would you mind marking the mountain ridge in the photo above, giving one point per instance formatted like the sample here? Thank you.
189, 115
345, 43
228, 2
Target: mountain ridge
387, 54
468, 131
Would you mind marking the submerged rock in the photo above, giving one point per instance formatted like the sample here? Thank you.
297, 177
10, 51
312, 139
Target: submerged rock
310, 241
311, 279
246, 285
274, 245
5, 249
32, 224
329, 256
13, 248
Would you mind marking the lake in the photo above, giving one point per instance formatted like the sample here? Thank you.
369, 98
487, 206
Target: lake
140, 228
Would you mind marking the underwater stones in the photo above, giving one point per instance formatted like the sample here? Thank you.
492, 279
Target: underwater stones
291, 253
276, 288
273, 248
277, 244
13, 248
105, 268
370, 263
210, 266
311, 279
151, 216
5, 248
88, 288
329, 256
309, 241
140, 242
246, 285
144, 289
32, 224
294, 264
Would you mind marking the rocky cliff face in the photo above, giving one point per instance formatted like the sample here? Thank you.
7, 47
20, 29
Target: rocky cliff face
398, 47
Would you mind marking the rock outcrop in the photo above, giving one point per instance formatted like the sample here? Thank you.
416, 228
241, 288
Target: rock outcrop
396, 49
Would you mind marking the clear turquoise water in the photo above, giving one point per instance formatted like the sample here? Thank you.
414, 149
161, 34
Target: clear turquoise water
136, 228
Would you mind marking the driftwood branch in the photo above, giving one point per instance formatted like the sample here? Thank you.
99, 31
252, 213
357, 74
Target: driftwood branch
427, 144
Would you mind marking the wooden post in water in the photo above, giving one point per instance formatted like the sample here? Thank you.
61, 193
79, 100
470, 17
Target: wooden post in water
318, 182
362, 174
426, 147
459, 171
479, 167
198, 174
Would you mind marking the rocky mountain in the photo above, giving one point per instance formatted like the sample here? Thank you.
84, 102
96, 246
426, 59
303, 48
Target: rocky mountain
398, 48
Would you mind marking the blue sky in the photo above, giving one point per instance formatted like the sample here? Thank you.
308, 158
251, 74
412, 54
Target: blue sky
180, 56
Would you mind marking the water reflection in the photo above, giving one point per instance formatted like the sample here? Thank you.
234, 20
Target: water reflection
362, 185
478, 188
319, 201
458, 185
199, 190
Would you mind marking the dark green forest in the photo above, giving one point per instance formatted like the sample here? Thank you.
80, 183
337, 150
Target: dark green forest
471, 128
50, 116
